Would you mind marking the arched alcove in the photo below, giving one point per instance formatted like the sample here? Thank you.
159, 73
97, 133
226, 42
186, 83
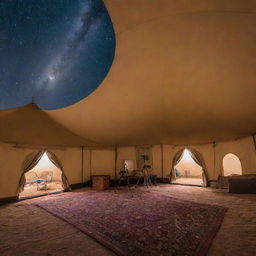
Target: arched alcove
42, 173
231, 165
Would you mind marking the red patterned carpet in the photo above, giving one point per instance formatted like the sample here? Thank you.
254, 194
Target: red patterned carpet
143, 224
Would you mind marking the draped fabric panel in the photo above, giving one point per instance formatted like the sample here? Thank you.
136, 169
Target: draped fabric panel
53, 158
198, 158
175, 161
29, 163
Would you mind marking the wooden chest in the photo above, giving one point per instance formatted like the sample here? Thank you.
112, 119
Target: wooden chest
100, 182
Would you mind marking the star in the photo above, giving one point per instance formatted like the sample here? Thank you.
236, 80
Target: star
51, 77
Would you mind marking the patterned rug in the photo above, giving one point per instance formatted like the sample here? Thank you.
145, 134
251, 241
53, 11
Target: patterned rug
142, 223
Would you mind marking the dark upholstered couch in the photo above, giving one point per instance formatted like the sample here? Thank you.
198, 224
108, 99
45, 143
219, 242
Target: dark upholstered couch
222, 181
238, 183
242, 184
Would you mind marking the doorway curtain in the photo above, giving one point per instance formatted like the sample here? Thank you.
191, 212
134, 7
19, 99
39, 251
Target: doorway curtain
197, 157
175, 161
32, 160
58, 164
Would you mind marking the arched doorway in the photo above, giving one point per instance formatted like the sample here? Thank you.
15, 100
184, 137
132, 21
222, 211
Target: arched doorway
42, 173
188, 168
231, 165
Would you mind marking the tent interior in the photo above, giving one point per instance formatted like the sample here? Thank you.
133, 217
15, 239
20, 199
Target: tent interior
153, 95
42, 179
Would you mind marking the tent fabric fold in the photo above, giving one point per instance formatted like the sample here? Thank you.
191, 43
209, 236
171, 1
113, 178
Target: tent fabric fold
53, 158
29, 163
175, 161
198, 158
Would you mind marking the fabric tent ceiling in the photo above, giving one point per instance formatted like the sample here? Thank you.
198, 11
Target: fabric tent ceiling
29, 125
184, 72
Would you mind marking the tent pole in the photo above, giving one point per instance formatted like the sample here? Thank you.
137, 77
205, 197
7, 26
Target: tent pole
162, 160
115, 160
254, 142
214, 157
82, 167
90, 163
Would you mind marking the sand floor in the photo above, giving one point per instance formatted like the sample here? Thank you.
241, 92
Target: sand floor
189, 181
25, 229
31, 190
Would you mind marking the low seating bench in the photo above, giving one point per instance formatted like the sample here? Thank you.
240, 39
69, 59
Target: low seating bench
242, 184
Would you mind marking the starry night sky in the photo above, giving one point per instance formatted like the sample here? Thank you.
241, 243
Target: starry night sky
53, 52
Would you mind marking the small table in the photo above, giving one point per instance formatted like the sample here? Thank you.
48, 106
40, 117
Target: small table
100, 182
41, 183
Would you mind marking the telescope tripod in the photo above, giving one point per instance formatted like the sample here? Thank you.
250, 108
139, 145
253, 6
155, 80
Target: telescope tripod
146, 177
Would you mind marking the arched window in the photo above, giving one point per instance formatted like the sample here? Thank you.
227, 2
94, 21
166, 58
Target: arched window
231, 165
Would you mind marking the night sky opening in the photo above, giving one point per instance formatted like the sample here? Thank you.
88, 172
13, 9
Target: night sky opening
53, 52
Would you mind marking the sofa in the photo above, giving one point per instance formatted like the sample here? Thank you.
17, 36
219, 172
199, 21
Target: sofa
242, 184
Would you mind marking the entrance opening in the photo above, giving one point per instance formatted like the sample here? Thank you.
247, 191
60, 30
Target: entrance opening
44, 178
231, 165
187, 171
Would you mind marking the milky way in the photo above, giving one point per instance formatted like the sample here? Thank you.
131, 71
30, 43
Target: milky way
53, 52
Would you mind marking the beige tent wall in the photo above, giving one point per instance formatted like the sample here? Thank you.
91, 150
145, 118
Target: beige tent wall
71, 159
96, 162
10, 162
103, 162
11, 159
125, 153
157, 160
80, 163
87, 171
168, 154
